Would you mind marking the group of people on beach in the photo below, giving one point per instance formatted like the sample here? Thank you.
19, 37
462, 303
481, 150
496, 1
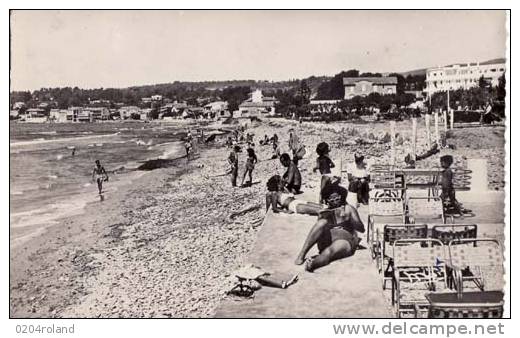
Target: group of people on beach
335, 232
338, 223
251, 160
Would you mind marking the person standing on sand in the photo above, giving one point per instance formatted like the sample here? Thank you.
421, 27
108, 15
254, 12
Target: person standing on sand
250, 165
100, 175
358, 179
294, 141
323, 164
233, 163
187, 145
297, 149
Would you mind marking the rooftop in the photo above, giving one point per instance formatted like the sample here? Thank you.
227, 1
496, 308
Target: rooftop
349, 81
248, 104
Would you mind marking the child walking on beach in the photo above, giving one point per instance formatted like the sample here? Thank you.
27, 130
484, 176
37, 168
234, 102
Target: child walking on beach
323, 164
250, 165
100, 175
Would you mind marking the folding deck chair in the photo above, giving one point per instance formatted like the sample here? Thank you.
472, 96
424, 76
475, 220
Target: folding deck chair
471, 259
425, 210
467, 257
391, 234
419, 265
385, 210
449, 232
385, 183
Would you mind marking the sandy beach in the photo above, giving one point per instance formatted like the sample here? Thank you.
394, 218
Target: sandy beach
166, 244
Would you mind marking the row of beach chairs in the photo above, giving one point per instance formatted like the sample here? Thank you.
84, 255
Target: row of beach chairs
396, 210
432, 265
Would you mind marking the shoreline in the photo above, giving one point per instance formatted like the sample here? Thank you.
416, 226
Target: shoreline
60, 266
166, 244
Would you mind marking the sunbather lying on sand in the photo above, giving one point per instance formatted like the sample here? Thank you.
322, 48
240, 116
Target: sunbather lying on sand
335, 232
279, 200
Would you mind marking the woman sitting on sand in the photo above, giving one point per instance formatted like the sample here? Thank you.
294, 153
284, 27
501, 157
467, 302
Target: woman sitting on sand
335, 232
281, 201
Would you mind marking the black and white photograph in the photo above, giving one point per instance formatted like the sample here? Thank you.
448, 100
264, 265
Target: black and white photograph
259, 164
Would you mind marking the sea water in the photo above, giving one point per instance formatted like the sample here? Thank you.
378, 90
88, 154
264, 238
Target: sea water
48, 182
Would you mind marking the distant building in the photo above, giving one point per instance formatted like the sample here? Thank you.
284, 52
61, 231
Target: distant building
363, 86
197, 111
257, 105
463, 75
98, 113
35, 115
18, 105
217, 109
127, 111
84, 116
324, 102
216, 106
58, 115
99, 103
145, 114
73, 113
35, 112
156, 97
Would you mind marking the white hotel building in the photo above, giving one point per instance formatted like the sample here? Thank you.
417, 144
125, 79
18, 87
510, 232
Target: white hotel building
463, 75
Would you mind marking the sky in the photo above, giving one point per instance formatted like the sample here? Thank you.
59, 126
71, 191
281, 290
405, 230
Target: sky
94, 49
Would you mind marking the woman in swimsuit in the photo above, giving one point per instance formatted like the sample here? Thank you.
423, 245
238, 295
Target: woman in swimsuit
335, 232
250, 165
282, 201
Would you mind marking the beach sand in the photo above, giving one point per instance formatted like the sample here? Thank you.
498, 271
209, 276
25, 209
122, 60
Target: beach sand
166, 244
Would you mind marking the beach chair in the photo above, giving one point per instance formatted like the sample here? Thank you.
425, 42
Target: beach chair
487, 304
425, 210
476, 260
419, 265
386, 210
391, 234
449, 232
385, 183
